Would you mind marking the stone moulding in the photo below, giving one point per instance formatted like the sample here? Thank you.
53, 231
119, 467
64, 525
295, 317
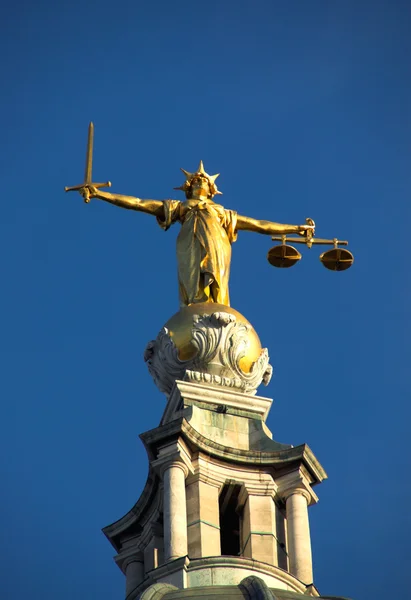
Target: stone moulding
209, 572
186, 393
254, 587
158, 591
221, 342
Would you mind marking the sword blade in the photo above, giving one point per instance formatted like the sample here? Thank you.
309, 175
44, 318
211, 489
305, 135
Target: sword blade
89, 154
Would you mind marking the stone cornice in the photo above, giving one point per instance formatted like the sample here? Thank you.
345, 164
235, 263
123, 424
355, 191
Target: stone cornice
230, 562
295, 483
169, 567
126, 522
174, 454
265, 487
128, 556
153, 438
185, 393
217, 473
150, 531
279, 459
205, 478
254, 565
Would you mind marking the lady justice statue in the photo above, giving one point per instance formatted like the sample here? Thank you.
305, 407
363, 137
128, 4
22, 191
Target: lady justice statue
207, 232
206, 338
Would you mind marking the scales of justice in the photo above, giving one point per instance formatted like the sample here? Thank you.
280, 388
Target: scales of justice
208, 341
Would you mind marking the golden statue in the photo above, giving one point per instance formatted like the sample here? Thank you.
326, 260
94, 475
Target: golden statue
207, 230
205, 319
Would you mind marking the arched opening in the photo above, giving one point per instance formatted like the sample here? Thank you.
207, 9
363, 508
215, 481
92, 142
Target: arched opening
230, 521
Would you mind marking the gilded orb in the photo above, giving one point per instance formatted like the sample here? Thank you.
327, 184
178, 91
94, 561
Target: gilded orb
180, 327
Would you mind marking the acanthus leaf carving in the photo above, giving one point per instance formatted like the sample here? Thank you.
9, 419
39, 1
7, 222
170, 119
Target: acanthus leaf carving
221, 342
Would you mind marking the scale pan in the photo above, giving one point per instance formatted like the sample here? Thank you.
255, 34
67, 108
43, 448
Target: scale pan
337, 259
283, 256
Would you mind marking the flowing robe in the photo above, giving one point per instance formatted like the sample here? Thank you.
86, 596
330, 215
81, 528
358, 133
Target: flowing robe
203, 249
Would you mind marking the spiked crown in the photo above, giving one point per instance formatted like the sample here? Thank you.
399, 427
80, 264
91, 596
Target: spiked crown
199, 173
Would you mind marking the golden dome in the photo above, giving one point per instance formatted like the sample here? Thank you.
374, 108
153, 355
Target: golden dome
180, 325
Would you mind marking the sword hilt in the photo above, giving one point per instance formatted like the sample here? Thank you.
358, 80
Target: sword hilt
76, 188
86, 193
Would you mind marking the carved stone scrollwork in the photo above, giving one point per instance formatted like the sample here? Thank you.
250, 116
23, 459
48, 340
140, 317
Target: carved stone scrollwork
221, 342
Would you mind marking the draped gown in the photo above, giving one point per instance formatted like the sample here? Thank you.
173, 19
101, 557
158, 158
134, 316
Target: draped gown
203, 249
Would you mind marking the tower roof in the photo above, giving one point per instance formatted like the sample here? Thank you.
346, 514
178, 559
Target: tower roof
234, 592
250, 588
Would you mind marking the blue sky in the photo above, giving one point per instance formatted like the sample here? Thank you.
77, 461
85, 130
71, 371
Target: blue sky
304, 109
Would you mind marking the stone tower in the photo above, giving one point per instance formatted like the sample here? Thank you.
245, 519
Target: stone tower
224, 511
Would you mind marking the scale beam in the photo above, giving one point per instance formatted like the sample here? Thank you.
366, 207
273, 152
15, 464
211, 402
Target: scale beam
309, 242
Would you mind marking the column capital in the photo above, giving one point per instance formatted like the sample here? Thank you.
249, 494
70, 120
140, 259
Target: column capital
262, 488
127, 557
205, 478
175, 454
298, 490
151, 530
296, 482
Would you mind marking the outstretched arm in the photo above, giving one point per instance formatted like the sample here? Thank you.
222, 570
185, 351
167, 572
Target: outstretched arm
152, 207
268, 227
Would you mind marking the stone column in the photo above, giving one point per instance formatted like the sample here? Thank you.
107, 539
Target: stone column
173, 464
175, 510
134, 573
298, 535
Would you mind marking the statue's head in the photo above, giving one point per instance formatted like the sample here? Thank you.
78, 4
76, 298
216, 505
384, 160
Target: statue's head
199, 184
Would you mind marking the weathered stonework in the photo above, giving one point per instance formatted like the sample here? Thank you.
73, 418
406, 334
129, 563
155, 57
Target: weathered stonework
213, 445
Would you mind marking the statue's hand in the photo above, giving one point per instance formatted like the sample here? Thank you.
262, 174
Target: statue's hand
88, 192
305, 229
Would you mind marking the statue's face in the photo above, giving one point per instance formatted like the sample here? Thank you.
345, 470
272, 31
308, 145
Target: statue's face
200, 187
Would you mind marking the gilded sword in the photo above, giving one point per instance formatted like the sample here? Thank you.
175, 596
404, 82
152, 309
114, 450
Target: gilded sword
88, 169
